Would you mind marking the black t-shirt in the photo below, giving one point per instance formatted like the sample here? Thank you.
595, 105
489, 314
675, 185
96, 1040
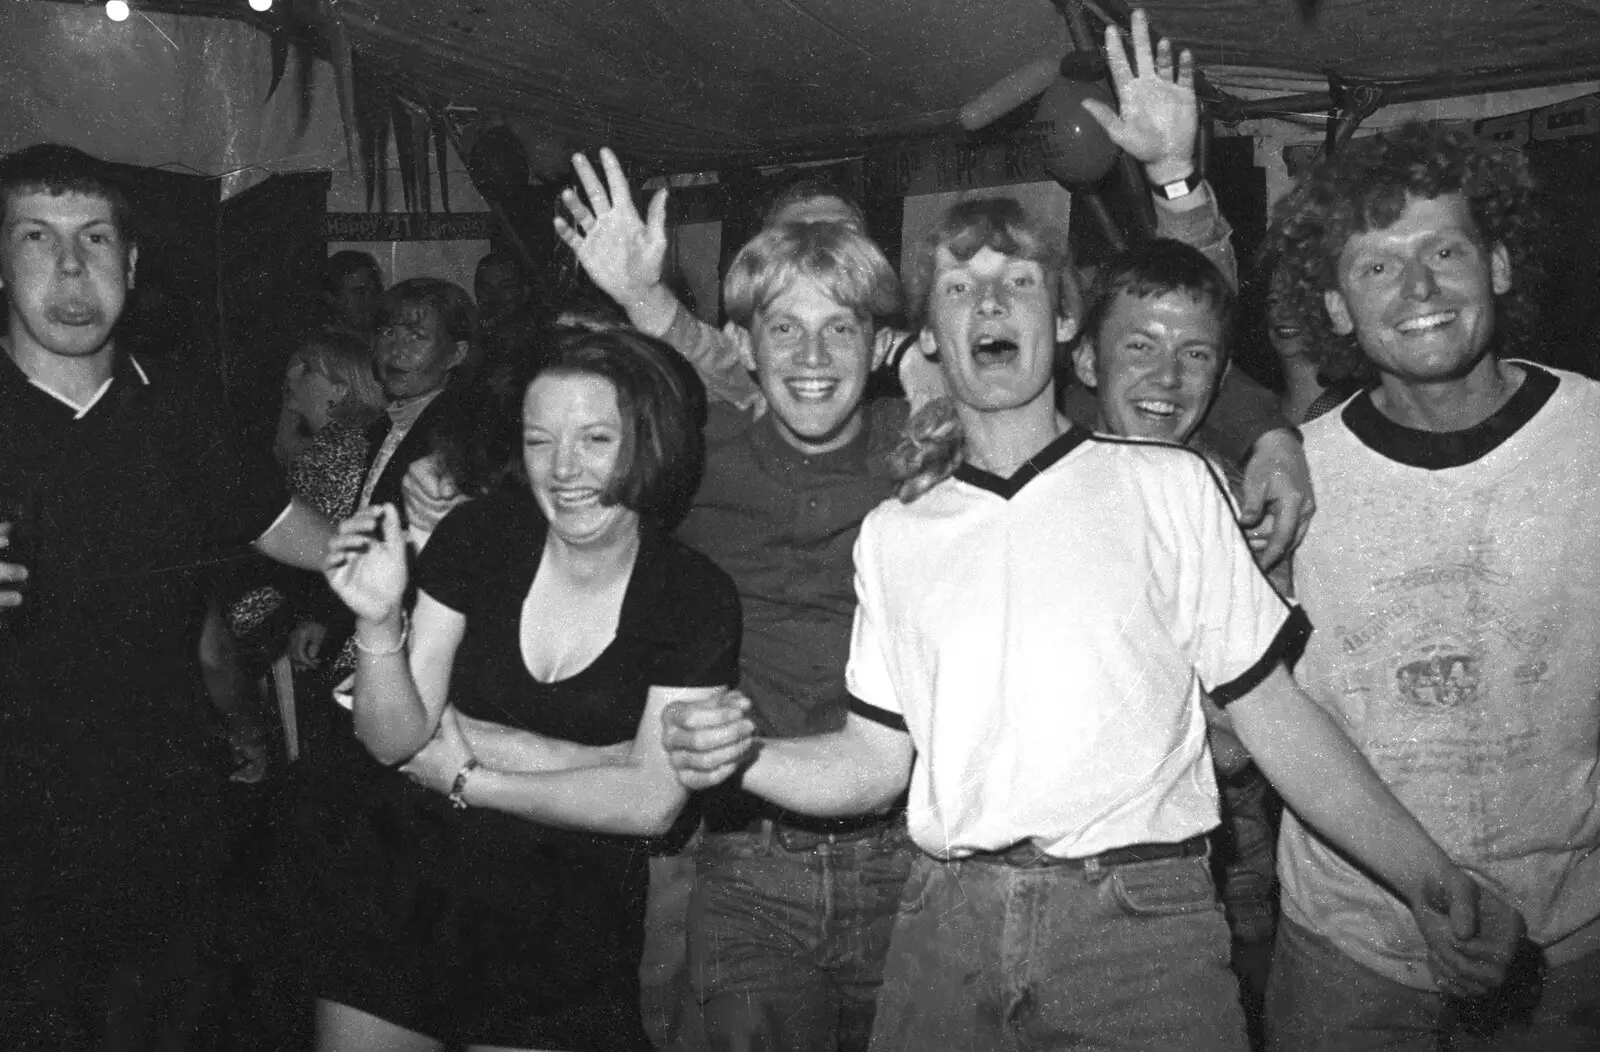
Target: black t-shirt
132, 504
679, 625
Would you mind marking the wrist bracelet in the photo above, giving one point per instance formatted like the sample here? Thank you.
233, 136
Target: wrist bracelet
400, 644
458, 788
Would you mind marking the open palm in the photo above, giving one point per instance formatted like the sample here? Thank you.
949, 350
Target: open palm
621, 251
1157, 114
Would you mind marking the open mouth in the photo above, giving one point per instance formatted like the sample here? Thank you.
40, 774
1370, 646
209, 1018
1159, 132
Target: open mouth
571, 499
811, 390
993, 351
1427, 322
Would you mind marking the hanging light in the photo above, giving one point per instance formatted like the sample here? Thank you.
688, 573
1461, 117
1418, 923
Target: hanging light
117, 10
261, 5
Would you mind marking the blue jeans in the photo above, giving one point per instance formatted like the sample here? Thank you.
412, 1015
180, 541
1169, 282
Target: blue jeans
994, 957
1320, 1000
786, 947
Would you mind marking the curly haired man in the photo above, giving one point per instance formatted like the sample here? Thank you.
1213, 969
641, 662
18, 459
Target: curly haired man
1454, 576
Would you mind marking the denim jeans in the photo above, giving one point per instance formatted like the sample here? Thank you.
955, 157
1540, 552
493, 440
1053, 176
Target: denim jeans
786, 946
665, 999
994, 957
1320, 1000
1247, 856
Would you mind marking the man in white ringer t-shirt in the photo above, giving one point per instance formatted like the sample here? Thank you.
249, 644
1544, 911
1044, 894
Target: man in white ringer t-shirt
1456, 583
1036, 620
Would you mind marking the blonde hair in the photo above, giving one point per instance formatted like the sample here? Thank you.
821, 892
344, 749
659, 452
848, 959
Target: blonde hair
848, 265
345, 359
932, 446
998, 223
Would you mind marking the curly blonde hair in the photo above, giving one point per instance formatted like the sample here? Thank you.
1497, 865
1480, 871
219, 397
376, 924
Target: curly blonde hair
932, 446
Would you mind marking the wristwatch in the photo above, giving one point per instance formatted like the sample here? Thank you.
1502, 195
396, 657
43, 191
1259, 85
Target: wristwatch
1178, 187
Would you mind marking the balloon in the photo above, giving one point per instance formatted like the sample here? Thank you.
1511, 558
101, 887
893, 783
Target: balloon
1076, 149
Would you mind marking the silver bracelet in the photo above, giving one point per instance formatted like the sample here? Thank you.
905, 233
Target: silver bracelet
405, 637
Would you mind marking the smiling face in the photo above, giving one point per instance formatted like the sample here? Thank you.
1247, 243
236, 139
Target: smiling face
66, 271
993, 322
1419, 294
413, 354
572, 436
811, 355
1155, 364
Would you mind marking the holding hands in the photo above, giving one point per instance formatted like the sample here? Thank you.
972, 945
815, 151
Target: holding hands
437, 763
708, 740
1471, 933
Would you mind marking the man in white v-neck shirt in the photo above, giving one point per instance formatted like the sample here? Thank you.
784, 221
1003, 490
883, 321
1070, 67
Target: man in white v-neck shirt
1036, 620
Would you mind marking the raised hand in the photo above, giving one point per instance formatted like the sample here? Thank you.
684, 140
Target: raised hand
1157, 116
366, 563
621, 252
707, 741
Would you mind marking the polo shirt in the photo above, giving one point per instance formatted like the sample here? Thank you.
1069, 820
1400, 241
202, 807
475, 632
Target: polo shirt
782, 524
1045, 639
137, 500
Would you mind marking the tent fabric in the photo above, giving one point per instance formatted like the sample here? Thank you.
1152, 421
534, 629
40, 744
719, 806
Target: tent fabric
685, 85
697, 83
157, 90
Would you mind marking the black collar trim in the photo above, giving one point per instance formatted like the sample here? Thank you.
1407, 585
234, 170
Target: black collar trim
1064, 443
1437, 450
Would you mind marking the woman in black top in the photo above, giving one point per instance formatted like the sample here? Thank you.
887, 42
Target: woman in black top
497, 897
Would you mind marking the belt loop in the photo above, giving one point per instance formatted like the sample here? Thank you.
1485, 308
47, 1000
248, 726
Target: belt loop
768, 833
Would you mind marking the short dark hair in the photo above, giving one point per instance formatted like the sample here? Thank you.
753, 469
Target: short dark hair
342, 264
662, 451
503, 259
54, 169
999, 223
448, 300
812, 188
1365, 186
1157, 268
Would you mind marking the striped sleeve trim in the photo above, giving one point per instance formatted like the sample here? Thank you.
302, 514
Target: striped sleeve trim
1286, 648
882, 717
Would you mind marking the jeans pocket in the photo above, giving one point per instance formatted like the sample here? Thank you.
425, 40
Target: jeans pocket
917, 891
1165, 888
